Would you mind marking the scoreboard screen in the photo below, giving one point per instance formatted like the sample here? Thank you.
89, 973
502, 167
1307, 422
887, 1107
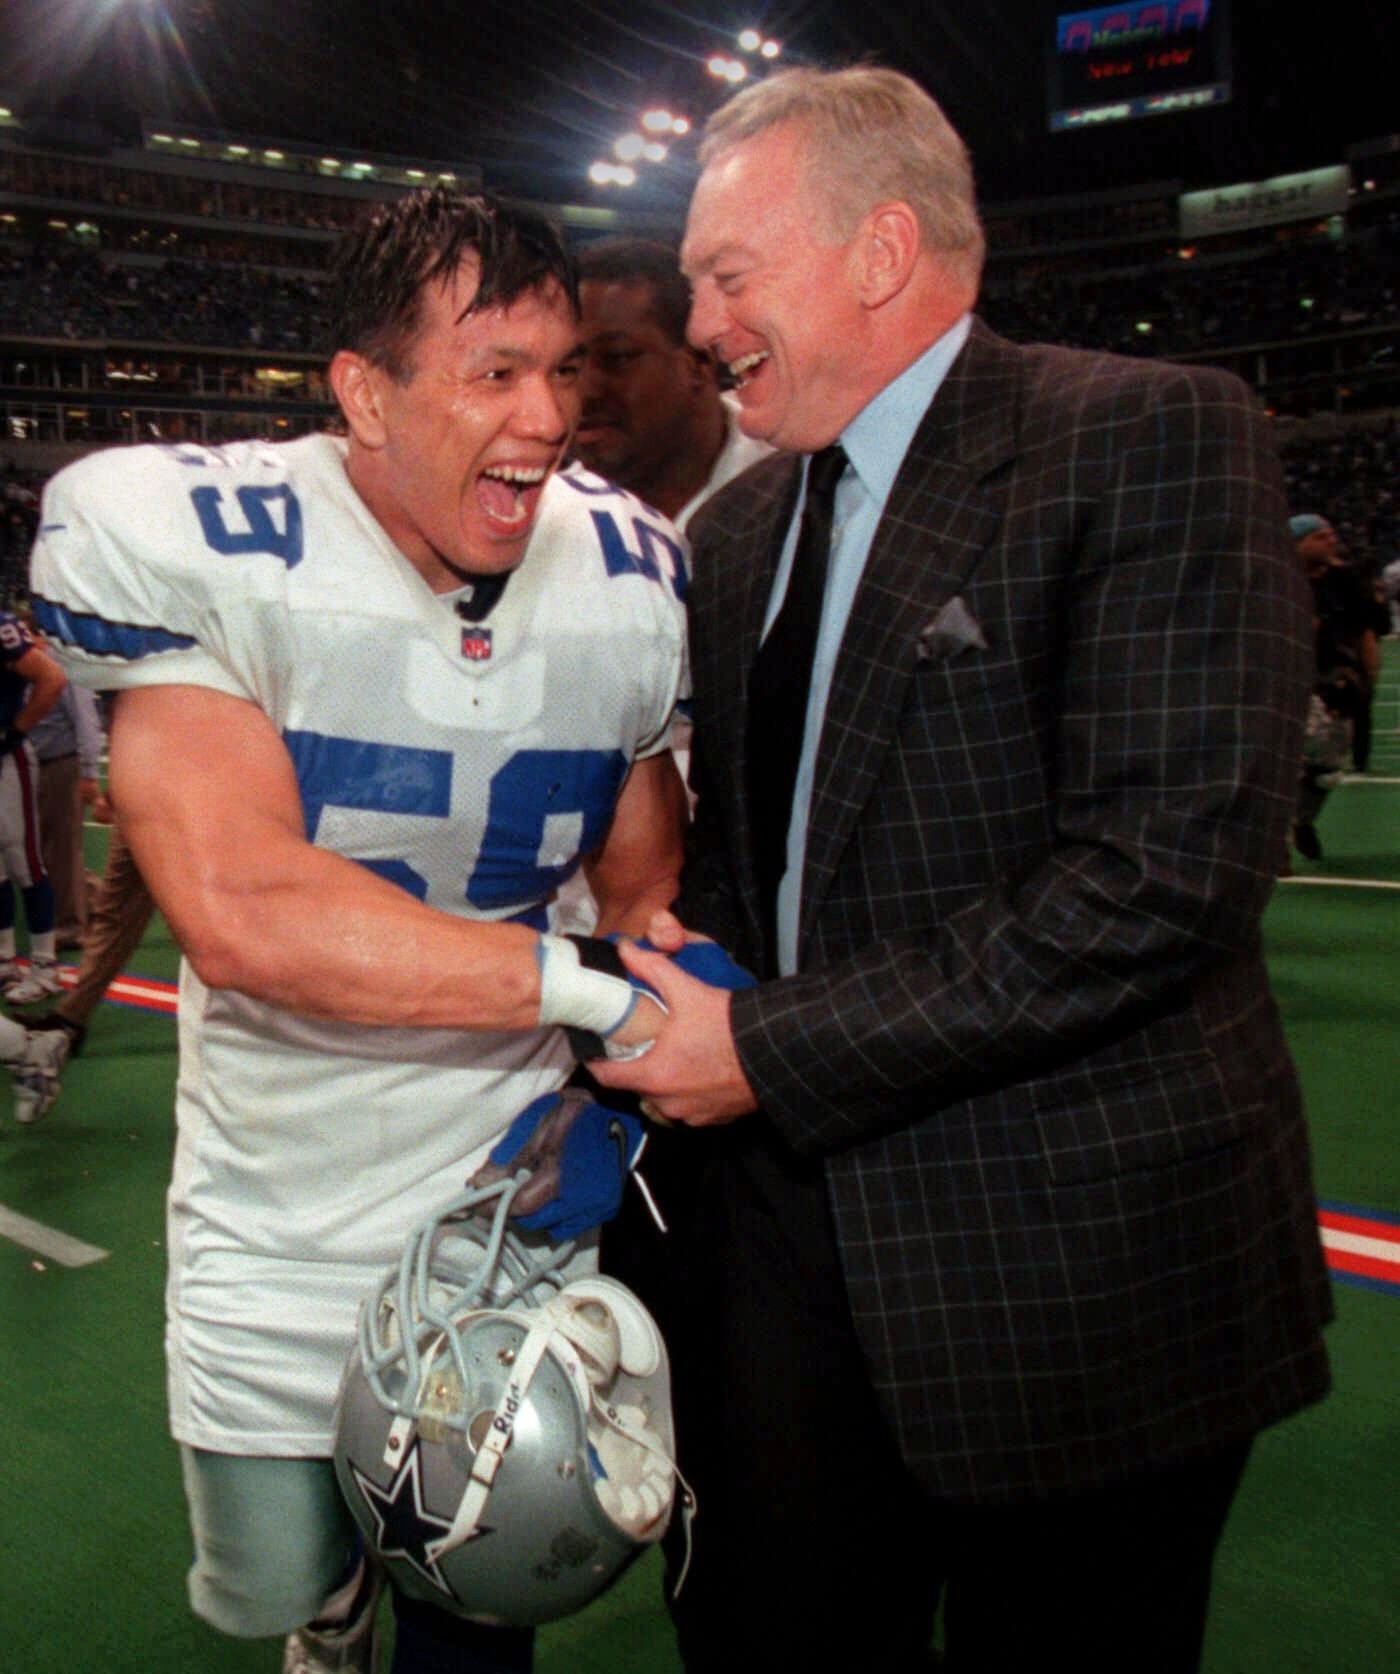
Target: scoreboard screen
1155, 59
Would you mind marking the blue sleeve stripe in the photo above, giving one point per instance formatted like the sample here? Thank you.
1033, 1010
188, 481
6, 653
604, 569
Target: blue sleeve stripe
102, 638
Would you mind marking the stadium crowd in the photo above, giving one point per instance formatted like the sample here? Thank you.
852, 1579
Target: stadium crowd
118, 186
1278, 294
60, 291
227, 292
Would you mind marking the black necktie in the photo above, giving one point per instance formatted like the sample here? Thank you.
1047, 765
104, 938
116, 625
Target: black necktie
779, 684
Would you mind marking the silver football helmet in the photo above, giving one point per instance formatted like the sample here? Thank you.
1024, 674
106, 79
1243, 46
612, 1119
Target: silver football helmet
504, 1437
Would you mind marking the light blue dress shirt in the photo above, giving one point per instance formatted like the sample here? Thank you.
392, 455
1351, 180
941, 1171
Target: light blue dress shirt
875, 441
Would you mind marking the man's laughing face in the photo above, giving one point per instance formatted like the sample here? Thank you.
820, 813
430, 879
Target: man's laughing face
469, 433
774, 297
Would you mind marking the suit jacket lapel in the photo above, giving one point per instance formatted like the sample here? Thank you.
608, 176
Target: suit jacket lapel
941, 516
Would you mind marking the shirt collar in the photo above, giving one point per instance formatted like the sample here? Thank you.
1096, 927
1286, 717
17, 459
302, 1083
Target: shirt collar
878, 437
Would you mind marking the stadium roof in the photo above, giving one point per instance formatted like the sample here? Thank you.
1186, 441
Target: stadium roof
534, 90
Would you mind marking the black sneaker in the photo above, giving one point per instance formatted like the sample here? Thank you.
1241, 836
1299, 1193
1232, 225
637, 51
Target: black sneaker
1306, 840
77, 1032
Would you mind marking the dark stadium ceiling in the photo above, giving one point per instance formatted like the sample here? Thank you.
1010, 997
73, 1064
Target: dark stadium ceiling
534, 90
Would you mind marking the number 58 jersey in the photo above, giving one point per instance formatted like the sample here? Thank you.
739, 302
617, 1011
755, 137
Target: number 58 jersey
470, 762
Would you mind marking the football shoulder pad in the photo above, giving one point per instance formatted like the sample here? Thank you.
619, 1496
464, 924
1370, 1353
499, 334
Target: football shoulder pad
150, 552
631, 538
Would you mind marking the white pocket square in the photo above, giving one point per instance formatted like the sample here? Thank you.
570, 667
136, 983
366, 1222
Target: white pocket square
954, 629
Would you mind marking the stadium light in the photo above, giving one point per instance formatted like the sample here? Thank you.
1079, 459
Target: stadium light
612, 174
750, 40
661, 121
636, 147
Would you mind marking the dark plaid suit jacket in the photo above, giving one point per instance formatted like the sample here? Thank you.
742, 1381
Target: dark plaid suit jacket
1031, 1035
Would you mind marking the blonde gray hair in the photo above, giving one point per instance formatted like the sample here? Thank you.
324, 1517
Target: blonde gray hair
874, 136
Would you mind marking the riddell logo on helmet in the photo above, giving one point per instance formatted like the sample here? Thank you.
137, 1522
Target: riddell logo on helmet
504, 1420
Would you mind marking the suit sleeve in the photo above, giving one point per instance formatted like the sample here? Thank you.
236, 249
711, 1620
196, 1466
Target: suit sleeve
1179, 677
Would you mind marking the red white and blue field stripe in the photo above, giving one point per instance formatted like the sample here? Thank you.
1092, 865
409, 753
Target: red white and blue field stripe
1362, 1245
146, 993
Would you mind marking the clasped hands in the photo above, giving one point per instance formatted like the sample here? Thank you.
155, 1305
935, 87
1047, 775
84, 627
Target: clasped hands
692, 1073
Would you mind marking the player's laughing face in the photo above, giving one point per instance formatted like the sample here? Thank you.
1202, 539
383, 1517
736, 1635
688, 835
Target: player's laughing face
773, 297
468, 435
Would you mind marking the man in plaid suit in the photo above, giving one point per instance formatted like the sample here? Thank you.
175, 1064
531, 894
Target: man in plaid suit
1003, 1246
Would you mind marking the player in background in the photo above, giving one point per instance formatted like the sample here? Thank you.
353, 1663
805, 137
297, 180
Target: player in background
30, 684
379, 697
653, 417
118, 918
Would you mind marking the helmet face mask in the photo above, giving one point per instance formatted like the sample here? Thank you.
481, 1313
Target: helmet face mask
503, 1436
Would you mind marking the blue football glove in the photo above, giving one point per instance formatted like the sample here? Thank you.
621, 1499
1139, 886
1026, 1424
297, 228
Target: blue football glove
708, 962
577, 1155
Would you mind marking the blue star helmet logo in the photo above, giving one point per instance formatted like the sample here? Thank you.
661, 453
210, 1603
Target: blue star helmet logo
404, 1527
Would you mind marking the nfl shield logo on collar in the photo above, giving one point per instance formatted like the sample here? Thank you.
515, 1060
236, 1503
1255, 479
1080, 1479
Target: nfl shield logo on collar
476, 643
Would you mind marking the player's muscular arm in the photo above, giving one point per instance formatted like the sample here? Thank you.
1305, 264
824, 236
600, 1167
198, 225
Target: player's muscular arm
636, 873
208, 800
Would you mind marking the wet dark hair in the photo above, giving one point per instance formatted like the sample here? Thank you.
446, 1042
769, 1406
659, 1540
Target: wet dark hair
382, 267
631, 261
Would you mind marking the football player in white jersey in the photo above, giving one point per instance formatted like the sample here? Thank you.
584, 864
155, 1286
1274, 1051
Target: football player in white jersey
379, 697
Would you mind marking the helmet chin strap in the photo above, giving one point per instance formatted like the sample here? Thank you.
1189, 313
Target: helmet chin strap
485, 590
492, 1448
544, 1334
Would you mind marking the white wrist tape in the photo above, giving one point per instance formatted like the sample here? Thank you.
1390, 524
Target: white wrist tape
578, 996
